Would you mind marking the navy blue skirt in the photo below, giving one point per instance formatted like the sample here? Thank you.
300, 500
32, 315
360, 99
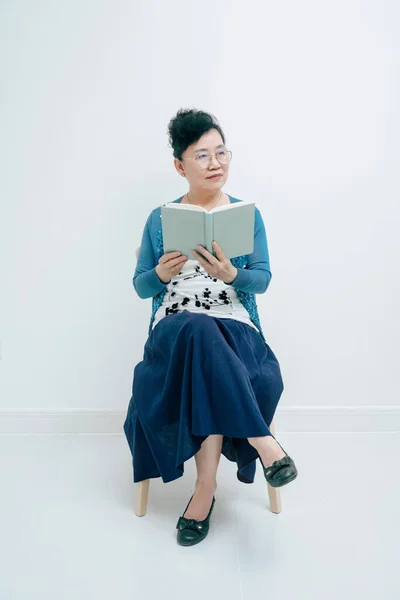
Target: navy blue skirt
200, 375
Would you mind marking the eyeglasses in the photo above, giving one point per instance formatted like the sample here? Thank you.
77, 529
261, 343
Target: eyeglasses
203, 159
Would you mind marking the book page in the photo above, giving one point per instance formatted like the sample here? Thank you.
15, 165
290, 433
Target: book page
182, 230
234, 229
230, 206
185, 206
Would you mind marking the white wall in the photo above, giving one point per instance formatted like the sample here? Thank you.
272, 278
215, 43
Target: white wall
308, 94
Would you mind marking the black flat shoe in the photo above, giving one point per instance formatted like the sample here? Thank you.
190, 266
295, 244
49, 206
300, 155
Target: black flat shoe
191, 532
281, 471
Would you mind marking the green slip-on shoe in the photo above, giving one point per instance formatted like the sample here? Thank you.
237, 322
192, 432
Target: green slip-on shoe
281, 472
191, 532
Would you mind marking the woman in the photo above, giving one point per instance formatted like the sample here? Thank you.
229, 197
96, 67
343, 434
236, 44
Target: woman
208, 382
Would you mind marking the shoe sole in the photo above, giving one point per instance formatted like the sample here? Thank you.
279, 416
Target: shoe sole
192, 543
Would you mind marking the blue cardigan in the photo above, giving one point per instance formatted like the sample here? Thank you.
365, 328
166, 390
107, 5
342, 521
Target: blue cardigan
254, 273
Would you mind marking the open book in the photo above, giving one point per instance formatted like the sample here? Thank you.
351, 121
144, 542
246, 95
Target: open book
184, 226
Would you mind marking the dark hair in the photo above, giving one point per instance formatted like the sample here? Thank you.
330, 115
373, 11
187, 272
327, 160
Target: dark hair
188, 126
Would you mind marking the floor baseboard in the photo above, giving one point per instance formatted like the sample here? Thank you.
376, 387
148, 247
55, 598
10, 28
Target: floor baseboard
287, 419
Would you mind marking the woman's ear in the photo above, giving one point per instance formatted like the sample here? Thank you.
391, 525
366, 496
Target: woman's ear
179, 167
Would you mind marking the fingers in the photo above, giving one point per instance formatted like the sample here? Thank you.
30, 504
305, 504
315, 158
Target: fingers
198, 255
176, 261
204, 263
180, 261
179, 264
220, 253
207, 255
169, 255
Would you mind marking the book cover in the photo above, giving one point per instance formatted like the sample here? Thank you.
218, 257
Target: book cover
184, 226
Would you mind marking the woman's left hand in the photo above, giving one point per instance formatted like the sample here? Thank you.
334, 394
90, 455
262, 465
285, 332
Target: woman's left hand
217, 266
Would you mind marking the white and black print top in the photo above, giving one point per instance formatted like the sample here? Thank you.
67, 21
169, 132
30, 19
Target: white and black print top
195, 290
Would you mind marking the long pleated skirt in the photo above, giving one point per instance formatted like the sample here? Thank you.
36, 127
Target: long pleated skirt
200, 375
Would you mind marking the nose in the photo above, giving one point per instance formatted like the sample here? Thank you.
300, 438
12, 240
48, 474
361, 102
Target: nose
214, 162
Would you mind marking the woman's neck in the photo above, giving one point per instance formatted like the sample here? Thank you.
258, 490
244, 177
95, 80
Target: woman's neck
204, 199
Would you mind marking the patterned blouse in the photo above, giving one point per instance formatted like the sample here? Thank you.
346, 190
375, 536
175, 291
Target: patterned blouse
254, 276
195, 290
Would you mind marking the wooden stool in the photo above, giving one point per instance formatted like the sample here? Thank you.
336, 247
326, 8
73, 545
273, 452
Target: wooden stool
142, 493
142, 488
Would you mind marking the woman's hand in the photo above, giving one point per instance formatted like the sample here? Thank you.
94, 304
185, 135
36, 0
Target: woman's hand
217, 266
169, 265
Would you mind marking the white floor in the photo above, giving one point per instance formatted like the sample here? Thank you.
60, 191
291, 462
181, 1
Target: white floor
68, 530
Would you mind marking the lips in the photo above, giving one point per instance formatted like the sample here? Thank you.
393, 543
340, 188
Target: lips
215, 176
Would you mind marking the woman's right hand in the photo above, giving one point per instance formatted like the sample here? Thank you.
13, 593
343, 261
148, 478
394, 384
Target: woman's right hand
169, 265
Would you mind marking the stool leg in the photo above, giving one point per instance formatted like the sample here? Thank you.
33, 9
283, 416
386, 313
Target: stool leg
274, 493
142, 495
274, 499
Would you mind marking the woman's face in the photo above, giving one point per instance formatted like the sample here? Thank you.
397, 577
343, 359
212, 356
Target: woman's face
201, 178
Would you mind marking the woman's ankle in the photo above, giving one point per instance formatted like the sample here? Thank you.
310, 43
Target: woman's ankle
199, 506
206, 484
268, 449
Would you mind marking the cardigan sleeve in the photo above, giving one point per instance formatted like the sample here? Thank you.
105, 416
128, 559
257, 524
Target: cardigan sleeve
145, 280
255, 278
